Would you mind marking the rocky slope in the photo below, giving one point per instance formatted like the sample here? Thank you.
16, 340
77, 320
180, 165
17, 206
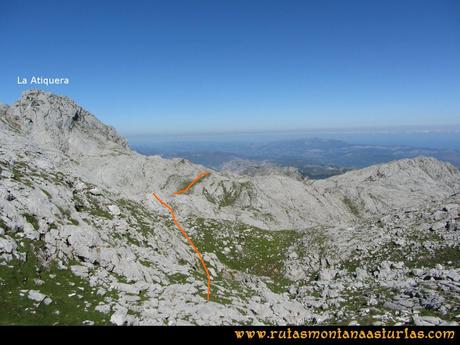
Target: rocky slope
82, 240
255, 168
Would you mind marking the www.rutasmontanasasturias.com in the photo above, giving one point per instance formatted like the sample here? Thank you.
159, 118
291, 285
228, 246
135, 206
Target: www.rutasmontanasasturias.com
34, 80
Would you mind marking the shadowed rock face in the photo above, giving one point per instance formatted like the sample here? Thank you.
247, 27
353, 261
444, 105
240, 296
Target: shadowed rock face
280, 249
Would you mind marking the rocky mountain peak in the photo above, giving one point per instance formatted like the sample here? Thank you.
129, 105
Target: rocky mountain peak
58, 122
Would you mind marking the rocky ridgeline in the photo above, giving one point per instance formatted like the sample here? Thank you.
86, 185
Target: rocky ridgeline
57, 122
255, 168
82, 241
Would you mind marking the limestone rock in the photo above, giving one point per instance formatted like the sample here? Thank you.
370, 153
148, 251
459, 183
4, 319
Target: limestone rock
119, 318
115, 210
35, 295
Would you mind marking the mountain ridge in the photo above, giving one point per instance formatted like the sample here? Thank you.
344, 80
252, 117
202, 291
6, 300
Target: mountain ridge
280, 250
259, 201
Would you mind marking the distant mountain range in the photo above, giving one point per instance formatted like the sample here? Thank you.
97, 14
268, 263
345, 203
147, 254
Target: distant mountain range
313, 157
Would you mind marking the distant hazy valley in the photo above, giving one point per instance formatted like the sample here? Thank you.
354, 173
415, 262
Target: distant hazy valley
313, 157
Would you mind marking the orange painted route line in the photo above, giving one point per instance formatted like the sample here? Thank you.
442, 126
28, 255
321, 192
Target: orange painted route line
195, 180
173, 215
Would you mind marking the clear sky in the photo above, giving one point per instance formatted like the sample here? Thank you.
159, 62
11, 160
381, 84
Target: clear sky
195, 65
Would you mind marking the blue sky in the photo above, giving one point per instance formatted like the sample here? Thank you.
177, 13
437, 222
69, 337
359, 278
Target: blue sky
203, 66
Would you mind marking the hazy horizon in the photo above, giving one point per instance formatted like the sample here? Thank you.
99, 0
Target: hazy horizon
415, 136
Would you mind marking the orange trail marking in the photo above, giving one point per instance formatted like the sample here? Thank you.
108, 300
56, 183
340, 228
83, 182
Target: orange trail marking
173, 215
195, 180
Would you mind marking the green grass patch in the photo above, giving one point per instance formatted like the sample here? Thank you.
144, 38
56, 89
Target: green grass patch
18, 171
3, 225
352, 206
17, 309
262, 252
178, 278
439, 256
46, 193
73, 221
183, 184
229, 195
143, 218
30, 218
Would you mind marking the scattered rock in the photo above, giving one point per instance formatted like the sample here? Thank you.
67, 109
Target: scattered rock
80, 271
119, 317
103, 308
361, 274
326, 274
426, 320
38, 282
35, 295
30, 232
439, 215
95, 191
438, 226
452, 225
7, 246
115, 210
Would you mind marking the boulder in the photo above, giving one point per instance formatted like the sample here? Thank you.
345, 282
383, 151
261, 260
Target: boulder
95, 191
35, 295
361, 273
119, 318
426, 320
438, 226
440, 215
80, 271
452, 225
7, 246
84, 241
114, 209
326, 274
29, 232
